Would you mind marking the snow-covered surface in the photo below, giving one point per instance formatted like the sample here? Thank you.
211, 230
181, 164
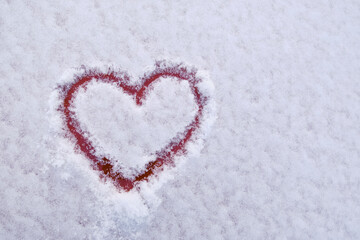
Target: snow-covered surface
282, 160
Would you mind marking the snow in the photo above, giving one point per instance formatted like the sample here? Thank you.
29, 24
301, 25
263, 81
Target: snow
281, 161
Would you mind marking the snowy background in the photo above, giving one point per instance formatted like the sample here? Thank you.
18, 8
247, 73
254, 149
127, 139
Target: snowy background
282, 160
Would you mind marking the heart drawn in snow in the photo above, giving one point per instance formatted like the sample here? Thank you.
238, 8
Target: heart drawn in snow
165, 157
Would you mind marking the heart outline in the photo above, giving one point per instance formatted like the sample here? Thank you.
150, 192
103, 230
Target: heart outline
164, 157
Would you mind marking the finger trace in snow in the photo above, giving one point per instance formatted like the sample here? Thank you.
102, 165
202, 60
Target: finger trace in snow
105, 163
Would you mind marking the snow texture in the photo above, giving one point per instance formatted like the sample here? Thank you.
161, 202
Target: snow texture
281, 161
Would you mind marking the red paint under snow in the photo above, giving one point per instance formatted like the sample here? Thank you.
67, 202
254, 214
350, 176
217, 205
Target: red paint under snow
166, 155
